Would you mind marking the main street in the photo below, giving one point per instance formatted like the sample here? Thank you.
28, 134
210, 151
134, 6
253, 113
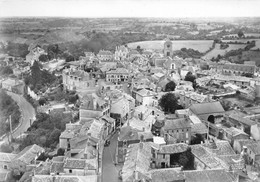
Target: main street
27, 113
109, 170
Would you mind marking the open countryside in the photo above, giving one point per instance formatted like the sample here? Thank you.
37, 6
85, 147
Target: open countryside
200, 45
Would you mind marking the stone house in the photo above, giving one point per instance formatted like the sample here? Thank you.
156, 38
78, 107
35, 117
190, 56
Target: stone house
104, 55
74, 79
26, 157
5, 160
179, 129
163, 156
118, 75
189, 98
121, 53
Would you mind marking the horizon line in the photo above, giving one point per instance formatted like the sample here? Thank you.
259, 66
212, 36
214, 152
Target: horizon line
188, 17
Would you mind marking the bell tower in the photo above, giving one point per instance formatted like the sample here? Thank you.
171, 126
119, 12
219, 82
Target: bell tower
167, 50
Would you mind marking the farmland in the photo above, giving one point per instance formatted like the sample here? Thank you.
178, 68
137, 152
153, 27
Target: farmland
200, 45
217, 51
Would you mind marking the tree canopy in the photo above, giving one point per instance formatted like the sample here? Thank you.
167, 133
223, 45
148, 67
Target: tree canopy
170, 86
240, 34
169, 103
190, 77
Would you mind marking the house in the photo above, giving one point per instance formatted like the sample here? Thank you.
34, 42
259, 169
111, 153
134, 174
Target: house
55, 178
144, 97
13, 85
120, 108
165, 155
93, 107
239, 121
239, 144
127, 136
231, 134
207, 110
104, 55
118, 75
236, 69
121, 53
26, 157
189, 98
253, 150
5, 161
179, 129
34, 54
74, 79
5, 176
167, 174
210, 175
137, 163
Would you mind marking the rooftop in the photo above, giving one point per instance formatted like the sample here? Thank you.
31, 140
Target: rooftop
171, 124
173, 148
207, 108
75, 163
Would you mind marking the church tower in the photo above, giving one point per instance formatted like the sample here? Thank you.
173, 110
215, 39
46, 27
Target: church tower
167, 50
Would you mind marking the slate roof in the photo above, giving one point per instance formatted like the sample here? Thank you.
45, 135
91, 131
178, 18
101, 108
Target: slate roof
212, 175
173, 148
29, 153
207, 108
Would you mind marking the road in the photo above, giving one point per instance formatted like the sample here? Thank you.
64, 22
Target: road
27, 112
109, 170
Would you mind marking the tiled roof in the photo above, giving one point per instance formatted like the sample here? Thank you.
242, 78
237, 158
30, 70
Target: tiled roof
29, 153
166, 175
91, 164
96, 128
173, 148
234, 131
6, 157
57, 167
71, 163
118, 71
199, 128
207, 108
137, 159
223, 148
180, 123
194, 96
65, 178
212, 175
104, 52
235, 161
246, 121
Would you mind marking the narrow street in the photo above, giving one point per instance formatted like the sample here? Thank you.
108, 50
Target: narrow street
27, 113
109, 170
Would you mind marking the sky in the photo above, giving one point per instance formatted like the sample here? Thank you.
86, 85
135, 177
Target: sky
130, 8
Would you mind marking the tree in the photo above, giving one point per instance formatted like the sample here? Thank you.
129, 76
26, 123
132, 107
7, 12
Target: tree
240, 34
226, 104
186, 159
70, 58
42, 101
190, 77
43, 58
6, 70
35, 74
170, 86
168, 103
60, 152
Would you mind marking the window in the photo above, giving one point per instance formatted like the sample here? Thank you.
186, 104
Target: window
177, 131
5, 166
163, 156
70, 171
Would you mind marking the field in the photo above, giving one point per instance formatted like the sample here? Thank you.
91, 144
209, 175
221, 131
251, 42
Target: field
257, 42
200, 45
217, 51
